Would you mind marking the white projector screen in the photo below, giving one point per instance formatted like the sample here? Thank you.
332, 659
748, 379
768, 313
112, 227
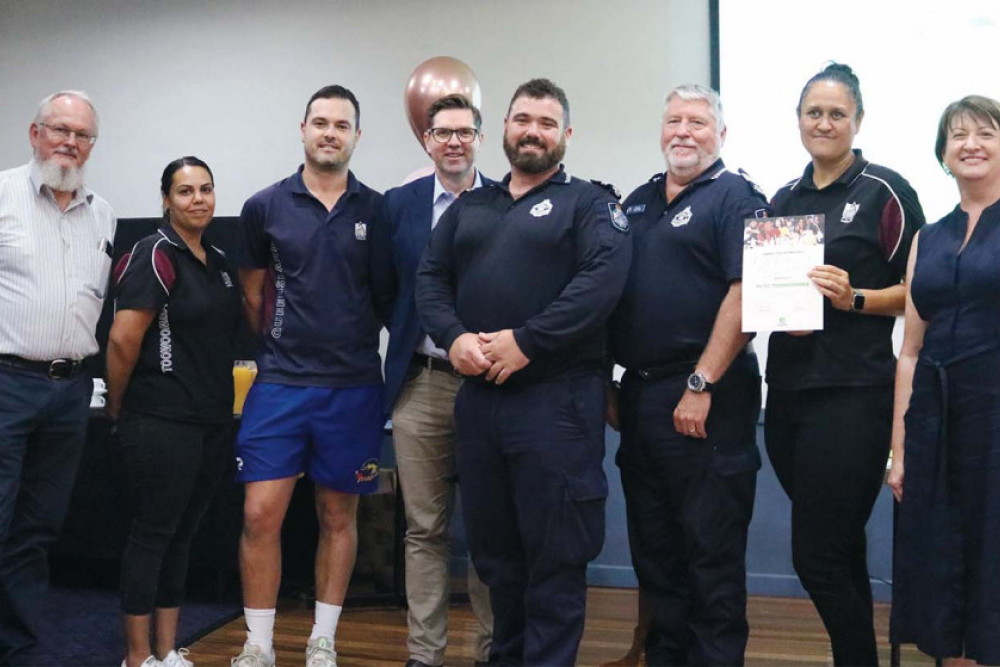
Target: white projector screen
912, 57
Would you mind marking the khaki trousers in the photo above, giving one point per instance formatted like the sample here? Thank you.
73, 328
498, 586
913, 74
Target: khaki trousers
422, 431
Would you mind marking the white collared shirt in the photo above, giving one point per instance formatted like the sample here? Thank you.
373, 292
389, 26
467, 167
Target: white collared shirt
442, 200
54, 267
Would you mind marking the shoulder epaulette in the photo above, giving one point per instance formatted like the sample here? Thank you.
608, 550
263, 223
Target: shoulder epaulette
749, 180
609, 187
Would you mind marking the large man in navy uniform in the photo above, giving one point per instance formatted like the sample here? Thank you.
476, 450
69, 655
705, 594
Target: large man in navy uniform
420, 387
690, 395
517, 285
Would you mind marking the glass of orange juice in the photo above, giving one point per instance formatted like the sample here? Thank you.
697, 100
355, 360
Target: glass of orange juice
244, 372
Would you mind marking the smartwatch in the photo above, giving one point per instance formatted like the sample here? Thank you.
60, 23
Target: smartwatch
698, 384
858, 302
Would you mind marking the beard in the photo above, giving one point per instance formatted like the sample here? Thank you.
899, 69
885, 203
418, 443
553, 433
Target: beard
692, 164
330, 163
60, 178
534, 164
325, 162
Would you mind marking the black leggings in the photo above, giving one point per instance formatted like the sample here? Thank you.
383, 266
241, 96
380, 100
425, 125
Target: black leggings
174, 469
828, 447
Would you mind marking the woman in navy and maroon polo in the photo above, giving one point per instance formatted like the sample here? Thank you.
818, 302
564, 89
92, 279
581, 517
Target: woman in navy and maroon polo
170, 388
830, 392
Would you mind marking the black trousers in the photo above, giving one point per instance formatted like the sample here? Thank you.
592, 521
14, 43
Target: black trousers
689, 505
829, 447
174, 469
533, 491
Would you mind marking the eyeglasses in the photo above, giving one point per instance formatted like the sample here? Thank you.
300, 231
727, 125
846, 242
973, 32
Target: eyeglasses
65, 134
443, 135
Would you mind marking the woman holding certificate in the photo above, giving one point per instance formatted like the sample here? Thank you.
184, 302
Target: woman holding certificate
946, 579
170, 387
829, 408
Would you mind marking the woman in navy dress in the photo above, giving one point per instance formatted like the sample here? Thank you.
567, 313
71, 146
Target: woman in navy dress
946, 579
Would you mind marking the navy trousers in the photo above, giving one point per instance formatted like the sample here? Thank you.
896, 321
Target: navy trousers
533, 491
43, 427
689, 504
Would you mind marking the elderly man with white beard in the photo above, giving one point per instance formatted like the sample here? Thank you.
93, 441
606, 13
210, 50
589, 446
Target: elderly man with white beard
55, 258
691, 390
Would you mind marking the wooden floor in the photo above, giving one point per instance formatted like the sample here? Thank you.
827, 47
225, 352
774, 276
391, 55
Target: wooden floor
783, 631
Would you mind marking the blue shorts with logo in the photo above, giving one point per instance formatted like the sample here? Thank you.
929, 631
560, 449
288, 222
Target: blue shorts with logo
332, 434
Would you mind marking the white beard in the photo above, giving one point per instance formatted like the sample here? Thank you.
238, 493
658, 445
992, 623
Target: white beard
61, 179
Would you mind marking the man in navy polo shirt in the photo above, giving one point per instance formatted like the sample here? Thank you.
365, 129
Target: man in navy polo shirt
420, 388
517, 285
691, 391
316, 288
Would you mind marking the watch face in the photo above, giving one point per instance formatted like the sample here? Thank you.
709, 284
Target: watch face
696, 382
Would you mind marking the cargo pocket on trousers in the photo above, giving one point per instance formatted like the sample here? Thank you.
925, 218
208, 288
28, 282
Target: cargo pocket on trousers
581, 531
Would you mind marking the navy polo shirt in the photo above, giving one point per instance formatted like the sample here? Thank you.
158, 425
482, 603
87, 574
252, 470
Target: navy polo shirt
872, 214
326, 281
549, 265
685, 256
185, 365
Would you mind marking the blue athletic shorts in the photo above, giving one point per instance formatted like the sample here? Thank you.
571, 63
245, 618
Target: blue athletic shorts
333, 434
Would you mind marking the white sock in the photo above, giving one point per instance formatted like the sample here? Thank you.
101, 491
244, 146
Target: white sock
327, 616
260, 627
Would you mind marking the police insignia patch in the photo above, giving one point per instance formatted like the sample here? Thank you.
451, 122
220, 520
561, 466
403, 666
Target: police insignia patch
618, 219
541, 208
682, 218
360, 231
850, 210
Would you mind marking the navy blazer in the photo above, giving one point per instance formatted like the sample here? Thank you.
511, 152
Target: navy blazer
407, 215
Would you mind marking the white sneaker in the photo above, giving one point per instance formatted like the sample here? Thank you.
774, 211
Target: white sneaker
151, 661
320, 653
177, 658
253, 655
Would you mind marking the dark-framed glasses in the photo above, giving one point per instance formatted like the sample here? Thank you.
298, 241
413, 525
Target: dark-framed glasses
65, 134
442, 135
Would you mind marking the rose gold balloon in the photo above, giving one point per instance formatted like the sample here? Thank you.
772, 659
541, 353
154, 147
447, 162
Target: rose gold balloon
432, 80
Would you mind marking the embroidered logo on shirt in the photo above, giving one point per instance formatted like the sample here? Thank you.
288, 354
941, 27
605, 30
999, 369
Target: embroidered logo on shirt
635, 208
360, 231
618, 219
226, 280
541, 208
682, 218
850, 210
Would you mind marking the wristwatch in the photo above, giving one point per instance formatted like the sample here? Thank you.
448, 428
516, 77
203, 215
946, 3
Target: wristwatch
858, 302
698, 384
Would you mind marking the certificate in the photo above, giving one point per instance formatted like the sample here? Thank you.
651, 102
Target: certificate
777, 255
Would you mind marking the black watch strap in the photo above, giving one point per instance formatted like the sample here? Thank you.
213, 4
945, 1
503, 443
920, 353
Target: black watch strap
858, 301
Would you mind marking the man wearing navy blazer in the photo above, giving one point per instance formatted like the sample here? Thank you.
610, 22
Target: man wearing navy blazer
421, 384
